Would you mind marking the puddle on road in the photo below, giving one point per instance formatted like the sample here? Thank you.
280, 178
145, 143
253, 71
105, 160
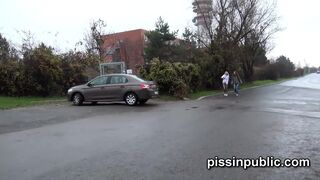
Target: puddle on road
215, 108
230, 107
220, 107
193, 107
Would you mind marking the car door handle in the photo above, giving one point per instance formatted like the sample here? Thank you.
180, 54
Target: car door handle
122, 86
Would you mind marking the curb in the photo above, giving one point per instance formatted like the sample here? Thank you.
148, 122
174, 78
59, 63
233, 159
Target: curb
203, 97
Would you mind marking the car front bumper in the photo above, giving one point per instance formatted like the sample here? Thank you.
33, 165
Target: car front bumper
69, 96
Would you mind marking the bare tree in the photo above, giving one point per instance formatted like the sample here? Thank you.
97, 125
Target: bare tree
258, 24
238, 30
94, 39
28, 41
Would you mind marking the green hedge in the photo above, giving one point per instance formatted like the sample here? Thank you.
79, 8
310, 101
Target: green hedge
41, 72
178, 79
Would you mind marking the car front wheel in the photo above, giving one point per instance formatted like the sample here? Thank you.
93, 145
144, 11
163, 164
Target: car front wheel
77, 99
131, 99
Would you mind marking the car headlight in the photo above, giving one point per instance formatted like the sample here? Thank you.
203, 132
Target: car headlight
69, 90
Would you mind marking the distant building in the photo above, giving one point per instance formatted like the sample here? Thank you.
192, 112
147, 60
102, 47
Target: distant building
127, 47
203, 9
204, 16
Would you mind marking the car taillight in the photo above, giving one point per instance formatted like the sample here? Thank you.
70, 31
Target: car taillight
144, 86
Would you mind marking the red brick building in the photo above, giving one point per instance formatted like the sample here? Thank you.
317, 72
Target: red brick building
126, 47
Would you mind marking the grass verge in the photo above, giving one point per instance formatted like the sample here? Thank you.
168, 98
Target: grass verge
14, 102
199, 94
166, 97
253, 84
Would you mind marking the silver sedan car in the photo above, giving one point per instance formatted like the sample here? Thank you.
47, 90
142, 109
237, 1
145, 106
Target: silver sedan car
114, 87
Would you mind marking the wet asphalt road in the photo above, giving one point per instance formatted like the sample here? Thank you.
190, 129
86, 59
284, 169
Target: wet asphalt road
166, 140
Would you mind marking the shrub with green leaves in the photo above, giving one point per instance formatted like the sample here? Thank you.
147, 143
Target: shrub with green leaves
42, 72
269, 71
179, 89
163, 73
189, 74
211, 69
176, 79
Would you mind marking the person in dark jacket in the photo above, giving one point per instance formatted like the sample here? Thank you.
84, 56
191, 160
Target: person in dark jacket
236, 80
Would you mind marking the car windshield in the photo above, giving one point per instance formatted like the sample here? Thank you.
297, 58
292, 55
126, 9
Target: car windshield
99, 80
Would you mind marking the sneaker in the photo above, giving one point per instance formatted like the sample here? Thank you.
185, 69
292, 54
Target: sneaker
226, 94
237, 94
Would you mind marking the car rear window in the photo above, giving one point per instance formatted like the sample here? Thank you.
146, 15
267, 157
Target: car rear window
137, 78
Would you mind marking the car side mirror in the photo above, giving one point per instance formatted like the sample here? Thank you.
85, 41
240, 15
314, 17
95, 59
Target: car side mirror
89, 84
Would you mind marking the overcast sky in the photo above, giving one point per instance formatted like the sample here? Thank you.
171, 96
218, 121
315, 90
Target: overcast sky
62, 23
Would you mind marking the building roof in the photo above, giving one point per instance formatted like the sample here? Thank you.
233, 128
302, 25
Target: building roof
126, 32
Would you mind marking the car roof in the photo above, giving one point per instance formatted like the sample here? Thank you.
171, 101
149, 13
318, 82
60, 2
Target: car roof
117, 75
127, 75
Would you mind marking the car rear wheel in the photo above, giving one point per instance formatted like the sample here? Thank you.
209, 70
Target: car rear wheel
131, 99
77, 99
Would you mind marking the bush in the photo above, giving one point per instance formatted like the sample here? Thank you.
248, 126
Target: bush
179, 79
163, 73
41, 72
44, 75
299, 72
189, 74
176, 79
211, 69
179, 89
285, 67
10, 73
281, 68
77, 68
269, 71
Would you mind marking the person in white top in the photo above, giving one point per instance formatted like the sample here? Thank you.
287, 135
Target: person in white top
225, 82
